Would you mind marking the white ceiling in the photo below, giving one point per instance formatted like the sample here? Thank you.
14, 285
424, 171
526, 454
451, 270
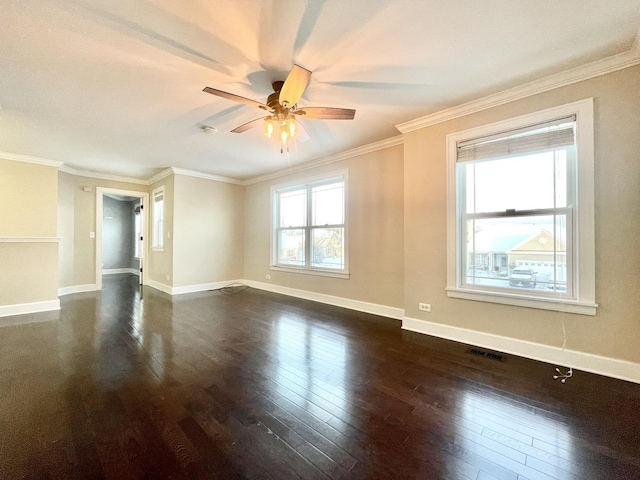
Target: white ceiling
115, 86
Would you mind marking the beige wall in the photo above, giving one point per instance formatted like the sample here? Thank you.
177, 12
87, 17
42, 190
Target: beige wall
77, 218
28, 206
209, 231
28, 273
614, 331
28, 198
375, 222
160, 263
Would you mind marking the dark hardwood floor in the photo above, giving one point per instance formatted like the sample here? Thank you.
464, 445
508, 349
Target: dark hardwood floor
243, 383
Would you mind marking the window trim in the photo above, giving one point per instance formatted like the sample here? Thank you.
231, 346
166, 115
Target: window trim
138, 234
584, 246
308, 270
155, 245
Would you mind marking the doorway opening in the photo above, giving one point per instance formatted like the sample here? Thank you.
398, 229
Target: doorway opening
121, 233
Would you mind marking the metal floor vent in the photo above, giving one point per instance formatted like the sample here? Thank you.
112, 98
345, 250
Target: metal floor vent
486, 354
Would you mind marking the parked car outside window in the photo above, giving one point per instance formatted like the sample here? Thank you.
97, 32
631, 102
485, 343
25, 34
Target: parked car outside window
522, 277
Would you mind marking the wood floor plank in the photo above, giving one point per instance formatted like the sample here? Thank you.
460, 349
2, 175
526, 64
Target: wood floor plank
132, 383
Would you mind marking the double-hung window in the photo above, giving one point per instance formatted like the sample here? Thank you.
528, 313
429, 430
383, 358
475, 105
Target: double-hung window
309, 228
520, 226
157, 236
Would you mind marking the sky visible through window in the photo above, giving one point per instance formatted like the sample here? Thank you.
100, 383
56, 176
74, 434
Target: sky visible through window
521, 183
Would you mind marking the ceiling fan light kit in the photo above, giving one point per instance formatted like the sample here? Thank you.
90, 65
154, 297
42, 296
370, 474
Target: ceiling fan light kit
283, 108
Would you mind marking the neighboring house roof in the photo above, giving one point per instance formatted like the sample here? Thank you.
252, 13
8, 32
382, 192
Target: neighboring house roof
488, 241
542, 241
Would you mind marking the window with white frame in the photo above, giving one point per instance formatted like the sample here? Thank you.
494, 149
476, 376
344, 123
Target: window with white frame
157, 237
520, 211
309, 232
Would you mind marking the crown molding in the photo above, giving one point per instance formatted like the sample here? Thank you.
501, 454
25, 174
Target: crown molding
206, 176
159, 176
354, 152
610, 64
16, 157
102, 176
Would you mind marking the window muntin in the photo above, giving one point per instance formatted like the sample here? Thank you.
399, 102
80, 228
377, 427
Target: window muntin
547, 199
157, 237
309, 231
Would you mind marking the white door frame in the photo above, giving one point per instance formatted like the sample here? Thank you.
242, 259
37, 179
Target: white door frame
144, 200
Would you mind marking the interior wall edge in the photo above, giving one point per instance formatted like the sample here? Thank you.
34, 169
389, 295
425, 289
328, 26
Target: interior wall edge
607, 366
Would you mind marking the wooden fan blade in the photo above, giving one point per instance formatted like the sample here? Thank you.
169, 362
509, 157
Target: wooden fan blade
236, 98
294, 86
326, 113
246, 126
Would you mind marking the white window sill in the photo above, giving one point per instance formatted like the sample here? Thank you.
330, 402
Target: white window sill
556, 304
310, 271
157, 249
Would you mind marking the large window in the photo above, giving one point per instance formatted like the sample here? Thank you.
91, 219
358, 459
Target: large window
157, 236
309, 232
521, 211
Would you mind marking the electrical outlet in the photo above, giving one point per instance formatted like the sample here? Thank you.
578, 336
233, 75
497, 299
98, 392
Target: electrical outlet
268, 277
425, 307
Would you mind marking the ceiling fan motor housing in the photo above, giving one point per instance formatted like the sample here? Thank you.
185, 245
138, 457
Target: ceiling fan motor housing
280, 112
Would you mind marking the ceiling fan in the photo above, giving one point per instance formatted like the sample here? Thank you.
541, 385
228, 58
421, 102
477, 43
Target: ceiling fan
283, 109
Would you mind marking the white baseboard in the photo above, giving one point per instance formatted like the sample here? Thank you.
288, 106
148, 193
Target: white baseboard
160, 286
22, 308
91, 287
203, 287
115, 271
610, 367
360, 306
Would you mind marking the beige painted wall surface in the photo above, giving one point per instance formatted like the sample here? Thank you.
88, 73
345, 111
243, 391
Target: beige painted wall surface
28, 198
615, 330
77, 212
28, 273
28, 194
375, 221
208, 231
160, 262
66, 222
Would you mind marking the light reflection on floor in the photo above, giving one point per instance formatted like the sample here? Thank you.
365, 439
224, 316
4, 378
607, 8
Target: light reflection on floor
519, 435
313, 357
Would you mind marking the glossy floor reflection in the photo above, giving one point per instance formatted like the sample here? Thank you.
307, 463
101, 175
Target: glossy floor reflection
133, 384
